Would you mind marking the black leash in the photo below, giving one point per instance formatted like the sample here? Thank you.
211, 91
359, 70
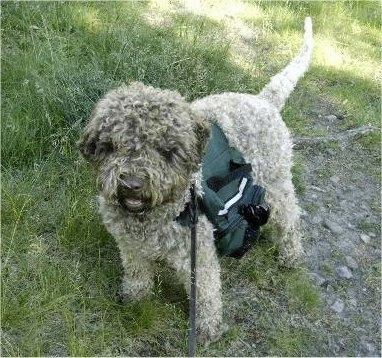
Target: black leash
193, 213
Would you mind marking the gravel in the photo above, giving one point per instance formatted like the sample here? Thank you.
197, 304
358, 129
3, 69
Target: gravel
343, 244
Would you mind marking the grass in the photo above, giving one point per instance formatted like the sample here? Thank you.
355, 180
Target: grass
60, 269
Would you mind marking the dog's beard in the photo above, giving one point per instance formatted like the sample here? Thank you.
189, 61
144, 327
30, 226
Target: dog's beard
130, 201
158, 189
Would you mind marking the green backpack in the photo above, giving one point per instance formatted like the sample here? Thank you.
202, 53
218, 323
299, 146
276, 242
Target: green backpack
230, 201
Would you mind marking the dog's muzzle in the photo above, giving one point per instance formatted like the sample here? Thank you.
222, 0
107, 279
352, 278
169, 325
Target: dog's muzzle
129, 194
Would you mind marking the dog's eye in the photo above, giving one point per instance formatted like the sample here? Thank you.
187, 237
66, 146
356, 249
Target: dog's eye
104, 148
168, 153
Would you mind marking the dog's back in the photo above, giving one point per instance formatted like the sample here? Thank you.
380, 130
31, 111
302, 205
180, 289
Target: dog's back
253, 124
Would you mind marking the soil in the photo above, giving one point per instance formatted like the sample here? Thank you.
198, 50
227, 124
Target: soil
341, 217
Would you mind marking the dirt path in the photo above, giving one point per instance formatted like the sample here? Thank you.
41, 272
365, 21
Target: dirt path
341, 217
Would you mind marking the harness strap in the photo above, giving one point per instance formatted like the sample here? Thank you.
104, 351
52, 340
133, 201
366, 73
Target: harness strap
235, 198
217, 182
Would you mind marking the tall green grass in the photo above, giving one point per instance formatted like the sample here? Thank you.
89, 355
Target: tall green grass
60, 269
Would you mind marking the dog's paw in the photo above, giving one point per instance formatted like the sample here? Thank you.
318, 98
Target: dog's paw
291, 252
290, 257
208, 335
127, 297
135, 290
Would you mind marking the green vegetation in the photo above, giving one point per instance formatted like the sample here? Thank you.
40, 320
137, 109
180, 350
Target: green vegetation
60, 269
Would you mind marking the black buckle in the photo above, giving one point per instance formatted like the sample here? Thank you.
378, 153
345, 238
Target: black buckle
256, 215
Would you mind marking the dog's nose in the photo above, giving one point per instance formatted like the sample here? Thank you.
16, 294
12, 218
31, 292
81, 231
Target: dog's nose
131, 183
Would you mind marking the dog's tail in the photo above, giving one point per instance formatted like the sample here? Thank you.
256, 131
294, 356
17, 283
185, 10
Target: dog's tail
281, 85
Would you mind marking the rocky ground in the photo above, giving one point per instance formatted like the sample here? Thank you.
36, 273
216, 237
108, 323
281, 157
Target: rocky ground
341, 207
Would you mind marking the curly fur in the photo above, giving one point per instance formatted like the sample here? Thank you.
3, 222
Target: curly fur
148, 147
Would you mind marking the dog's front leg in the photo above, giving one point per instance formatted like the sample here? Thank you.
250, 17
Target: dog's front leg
208, 293
208, 284
138, 277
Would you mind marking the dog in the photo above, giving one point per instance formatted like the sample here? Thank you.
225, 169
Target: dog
147, 145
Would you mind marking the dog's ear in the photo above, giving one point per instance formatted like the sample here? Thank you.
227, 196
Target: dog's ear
202, 131
88, 143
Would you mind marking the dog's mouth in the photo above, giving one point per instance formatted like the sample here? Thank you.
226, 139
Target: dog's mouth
130, 198
132, 204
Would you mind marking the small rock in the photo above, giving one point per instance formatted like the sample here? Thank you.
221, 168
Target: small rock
335, 179
333, 227
365, 238
350, 225
316, 220
317, 189
351, 262
344, 204
344, 272
331, 118
316, 278
330, 152
338, 306
370, 347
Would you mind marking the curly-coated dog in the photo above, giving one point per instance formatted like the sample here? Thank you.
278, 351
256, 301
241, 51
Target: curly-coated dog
147, 145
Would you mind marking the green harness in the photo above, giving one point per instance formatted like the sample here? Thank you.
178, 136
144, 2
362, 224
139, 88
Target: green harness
230, 201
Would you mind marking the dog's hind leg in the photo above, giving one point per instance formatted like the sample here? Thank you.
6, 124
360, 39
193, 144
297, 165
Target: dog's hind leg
285, 218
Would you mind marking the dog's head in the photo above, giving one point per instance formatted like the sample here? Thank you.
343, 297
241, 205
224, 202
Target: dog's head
146, 143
